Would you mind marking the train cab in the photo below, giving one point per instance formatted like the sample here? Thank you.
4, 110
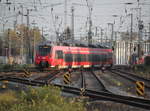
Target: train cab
43, 56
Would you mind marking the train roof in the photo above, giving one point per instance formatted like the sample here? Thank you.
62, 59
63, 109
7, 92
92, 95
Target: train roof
76, 43
83, 44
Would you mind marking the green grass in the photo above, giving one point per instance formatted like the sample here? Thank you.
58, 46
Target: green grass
8, 67
39, 99
142, 70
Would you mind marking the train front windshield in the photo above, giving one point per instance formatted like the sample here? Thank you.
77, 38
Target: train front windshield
44, 50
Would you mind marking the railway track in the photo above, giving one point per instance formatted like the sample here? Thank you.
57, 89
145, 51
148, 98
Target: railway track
30, 69
104, 88
83, 84
135, 76
131, 77
89, 80
49, 76
94, 95
31, 73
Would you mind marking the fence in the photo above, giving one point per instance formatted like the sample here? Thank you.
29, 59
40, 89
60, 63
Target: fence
123, 51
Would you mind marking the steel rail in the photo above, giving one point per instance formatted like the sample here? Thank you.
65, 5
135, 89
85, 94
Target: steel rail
119, 99
47, 77
95, 95
135, 76
127, 77
24, 81
22, 70
53, 77
83, 85
137, 102
100, 82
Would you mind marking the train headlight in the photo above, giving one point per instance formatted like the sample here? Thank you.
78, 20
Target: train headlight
43, 57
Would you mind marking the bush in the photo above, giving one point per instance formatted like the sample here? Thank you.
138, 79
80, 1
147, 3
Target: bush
6, 67
147, 61
38, 99
9, 67
7, 100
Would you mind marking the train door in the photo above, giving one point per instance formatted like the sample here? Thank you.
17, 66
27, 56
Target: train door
58, 57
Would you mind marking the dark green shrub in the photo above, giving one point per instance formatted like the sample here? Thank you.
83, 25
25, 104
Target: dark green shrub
39, 99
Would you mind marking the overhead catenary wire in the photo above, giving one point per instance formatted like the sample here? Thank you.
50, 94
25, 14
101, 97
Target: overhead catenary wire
41, 5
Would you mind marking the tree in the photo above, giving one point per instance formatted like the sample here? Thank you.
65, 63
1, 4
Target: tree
21, 36
67, 34
126, 36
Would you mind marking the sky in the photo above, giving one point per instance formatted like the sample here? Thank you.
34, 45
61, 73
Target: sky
49, 14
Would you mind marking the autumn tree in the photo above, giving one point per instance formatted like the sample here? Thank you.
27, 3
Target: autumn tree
67, 34
22, 37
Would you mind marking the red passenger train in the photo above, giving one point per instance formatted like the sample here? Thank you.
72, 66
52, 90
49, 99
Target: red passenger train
72, 57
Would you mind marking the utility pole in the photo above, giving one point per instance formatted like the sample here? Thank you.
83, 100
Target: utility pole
28, 40
149, 38
140, 28
9, 43
112, 32
15, 23
34, 41
72, 20
101, 35
22, 43
54, 24
42, 32
65, 20
3, 44
131, 30
149, 31
90, 23
106, 37
21, 14
131, 15
115, 36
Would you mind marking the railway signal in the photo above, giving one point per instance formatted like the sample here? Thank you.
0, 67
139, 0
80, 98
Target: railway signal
27, 73
140, 88
82, 91
4, 84
67, 78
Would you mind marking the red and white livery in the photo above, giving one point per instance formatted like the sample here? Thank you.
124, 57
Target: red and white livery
73, 57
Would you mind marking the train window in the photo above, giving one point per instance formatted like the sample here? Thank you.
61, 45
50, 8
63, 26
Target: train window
79, 57
83, 57
68, 57
103, 58
109, 55
75, 57
97, 59
59, 54
90, 57
86, 58
93, 58
44, 50
100, 58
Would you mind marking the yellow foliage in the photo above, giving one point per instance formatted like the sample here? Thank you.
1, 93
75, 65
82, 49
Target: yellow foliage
8, 97
38, 99
22, 35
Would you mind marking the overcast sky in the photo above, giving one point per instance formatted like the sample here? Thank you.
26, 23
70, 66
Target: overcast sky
102, 14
